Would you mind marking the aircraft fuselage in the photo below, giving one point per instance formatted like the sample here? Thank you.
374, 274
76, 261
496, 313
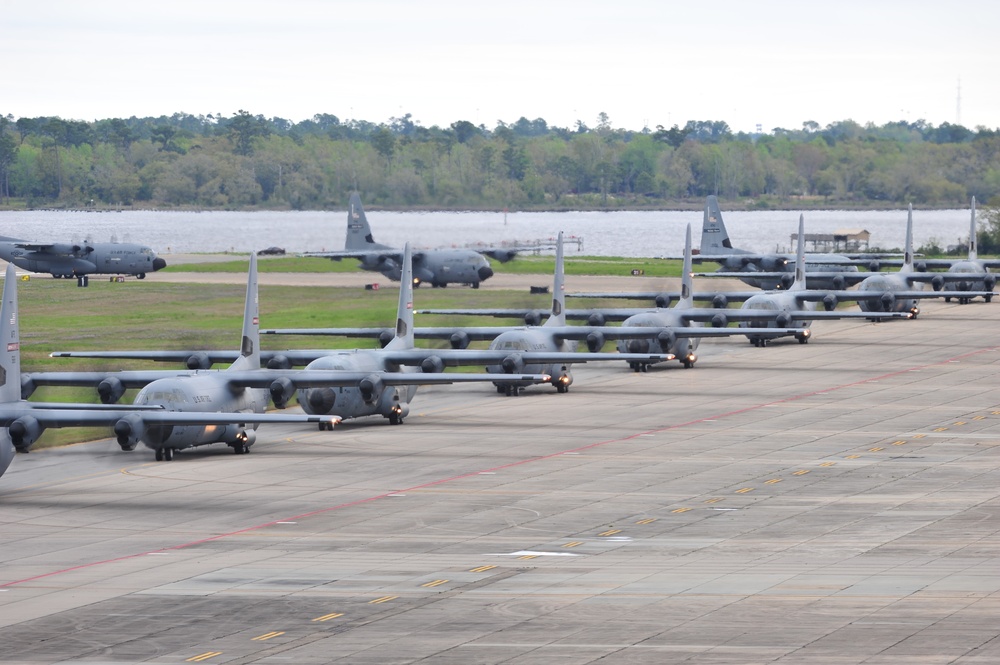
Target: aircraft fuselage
67, 260
781, 304
980, 278
205, 394
530, 339
888, 285
392, 402
683, 348
437, 267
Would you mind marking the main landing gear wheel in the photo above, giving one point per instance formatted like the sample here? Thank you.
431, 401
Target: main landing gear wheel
326, 426
562, 389
395, 420
241, 449
164, 454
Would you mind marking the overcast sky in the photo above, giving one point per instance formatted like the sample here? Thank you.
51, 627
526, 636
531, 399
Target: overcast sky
772, 63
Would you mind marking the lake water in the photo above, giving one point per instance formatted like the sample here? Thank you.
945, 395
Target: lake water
632, 234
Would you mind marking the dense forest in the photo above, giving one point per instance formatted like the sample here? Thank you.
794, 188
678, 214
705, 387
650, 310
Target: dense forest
249, 161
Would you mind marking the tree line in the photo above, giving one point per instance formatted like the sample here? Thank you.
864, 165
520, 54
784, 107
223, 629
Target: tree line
247, 161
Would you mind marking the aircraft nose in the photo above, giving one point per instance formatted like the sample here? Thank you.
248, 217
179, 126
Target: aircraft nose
485, 273
159, 264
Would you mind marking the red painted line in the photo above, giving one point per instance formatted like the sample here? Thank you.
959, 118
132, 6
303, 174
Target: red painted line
469, 474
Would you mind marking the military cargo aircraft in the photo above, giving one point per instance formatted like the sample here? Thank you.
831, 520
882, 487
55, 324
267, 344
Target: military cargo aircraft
80, 260
437, 267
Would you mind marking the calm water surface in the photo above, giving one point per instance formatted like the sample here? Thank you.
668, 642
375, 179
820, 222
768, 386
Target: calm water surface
632, 234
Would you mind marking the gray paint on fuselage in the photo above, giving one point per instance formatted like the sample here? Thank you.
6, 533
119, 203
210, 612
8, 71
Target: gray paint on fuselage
347, 401
105, 259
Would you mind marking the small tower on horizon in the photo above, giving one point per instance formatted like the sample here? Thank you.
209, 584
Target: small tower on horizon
958, 103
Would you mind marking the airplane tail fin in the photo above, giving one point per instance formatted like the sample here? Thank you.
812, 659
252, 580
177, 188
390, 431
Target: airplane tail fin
800, 257
404, 313
714, 237
359, 233
250, 341
687, 281
10, 330
973, 239
558, 315
908, 248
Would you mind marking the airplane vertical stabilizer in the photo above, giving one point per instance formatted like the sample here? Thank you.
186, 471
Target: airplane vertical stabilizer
714, 237
10, 365
908, 248
973, 238
558, 315
359, 233
250, 344
404, 313
800, 258
687, 281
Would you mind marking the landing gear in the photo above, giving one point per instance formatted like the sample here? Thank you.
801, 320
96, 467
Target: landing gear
241, 449
759, 342
141, 275
82, 280
394, 419
128, 447
476, 285
803, 339
511, 390
326, 426
560, 388
164, 454
688, 364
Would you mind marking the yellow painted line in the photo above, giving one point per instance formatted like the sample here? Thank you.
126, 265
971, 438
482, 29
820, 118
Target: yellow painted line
482, 569
899, 443
648, 520
960, 422
801, 472
575, 543
267, 636
828, 464
327, 617
528, 556
716, 500
383, 599
996, 413
978, 417
680, 510
875, 449
744, 490
939, 429
435, 583
919, 436
852, 457
204, 656
610, 532
772, 481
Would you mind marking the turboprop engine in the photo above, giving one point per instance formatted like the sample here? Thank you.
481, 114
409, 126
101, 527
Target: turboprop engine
110, 390
23, 432
129, 431
281, 389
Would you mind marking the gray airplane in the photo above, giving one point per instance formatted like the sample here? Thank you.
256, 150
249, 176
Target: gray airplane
839, 270
437, 267
80, 260
22, 422
344, 384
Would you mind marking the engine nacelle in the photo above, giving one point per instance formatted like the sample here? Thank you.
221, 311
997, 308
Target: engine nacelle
371, 388
532, 318
503, 256
990, 281
887, 301
239, 435
920, 266
595, 341
782, 320
432, 365
830, 302
512, 364
720, 301
787, 280
937, 282
459, 340
663, 301
279, 361
596, 319
666, 339
874, 266
773, 263
282, 389
319, 401
720, 321
110, 390
129, 431
637, 346
24, 431
27, 386
839, 282
385, 337
198, 360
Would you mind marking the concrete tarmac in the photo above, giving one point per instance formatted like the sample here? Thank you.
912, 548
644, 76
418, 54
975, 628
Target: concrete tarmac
836, 502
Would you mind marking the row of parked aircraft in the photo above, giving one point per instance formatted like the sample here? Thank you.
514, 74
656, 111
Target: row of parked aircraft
178, 409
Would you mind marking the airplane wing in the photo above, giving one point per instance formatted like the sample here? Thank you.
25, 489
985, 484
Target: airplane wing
457, 357
367, 255
848, 278
97, 415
